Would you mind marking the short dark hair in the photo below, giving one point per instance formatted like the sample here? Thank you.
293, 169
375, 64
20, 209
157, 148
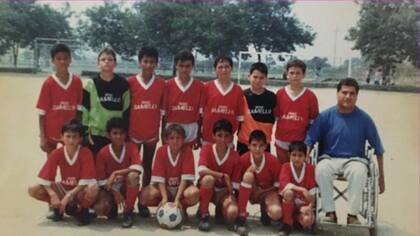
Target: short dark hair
59, 47
259, 66
348, 82
257, 135
116, 123
148, 52
108, 51
298, 146
296, 63
222, 125
73, 126
175, 128
184, 56
222, 59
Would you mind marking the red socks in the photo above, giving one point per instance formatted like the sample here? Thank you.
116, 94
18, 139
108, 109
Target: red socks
244, 194
131, 197
205, 197
287, 212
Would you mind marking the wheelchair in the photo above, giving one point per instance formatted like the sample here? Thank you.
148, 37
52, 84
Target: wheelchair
369, 208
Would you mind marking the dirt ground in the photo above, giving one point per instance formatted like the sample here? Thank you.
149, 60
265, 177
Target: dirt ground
396, 116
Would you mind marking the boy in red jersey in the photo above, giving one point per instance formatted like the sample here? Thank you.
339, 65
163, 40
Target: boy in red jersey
60, 95
173, 173
183, 100
117, 168
223, 99
297, 188
146, 90
259, 182
219, 172
297, 107
78, 189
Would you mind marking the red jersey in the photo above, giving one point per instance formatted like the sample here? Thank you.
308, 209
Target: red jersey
171, 170
228, 164
80, 170
294, 115
58, 102
146, 106
183, 104
219, 104
267, 173
288, 177
107, 161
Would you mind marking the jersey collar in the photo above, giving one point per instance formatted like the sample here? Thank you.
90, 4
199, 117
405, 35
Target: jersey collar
220, 162
290, 95
75, 156
262, 164
115, 157
144, 85
181, 87
219, 87
170, 157
64, 86
298, 179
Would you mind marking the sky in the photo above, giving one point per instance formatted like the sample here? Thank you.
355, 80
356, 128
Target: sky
330, 20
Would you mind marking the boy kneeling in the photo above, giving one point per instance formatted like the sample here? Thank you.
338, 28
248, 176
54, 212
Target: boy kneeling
259, 182
118, 167
78, 189
297, 187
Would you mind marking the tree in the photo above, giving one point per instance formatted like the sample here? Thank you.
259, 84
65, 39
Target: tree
24, 22
317, 63
387, 34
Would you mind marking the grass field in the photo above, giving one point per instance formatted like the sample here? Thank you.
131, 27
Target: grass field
396, 116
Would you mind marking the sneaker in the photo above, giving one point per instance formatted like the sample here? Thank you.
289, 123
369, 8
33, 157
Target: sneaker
285, 229
127, 220
71, 210
204, 224
113, 213
265, 219
352, 220
330, 217
143, 211
83, 217
240, 226
55, 215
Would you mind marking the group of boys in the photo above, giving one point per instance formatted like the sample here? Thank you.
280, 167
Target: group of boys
115, 118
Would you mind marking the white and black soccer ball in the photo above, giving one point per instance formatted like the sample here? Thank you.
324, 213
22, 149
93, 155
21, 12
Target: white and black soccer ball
169, 216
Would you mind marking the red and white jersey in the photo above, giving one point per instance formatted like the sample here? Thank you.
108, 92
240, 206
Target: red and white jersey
228, 164
294, 114
267, 173
183, 104
171, 170
107, 161
78, 170
58, 102
288, 177
219, 104
146, 108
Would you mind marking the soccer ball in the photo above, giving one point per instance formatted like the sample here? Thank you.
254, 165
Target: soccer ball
169, 216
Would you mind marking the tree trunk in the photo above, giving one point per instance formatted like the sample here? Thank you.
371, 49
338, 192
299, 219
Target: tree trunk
15, 51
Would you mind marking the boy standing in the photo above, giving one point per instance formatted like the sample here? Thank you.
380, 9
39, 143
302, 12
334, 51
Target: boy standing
296, 109
146, 91
222, 99
78, 189
118, 167
297, 188
105, 96
258, 108
60, 95
183, 100
259, 182
219, 175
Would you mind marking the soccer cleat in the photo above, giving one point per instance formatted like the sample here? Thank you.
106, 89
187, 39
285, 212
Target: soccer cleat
143, 211
218, 216
71, 210
55, 215
204, 224
240, 226
285, 229
127, 220
265, 219
83, 217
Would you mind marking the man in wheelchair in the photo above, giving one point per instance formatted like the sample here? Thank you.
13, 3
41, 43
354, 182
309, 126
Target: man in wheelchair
341, 133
